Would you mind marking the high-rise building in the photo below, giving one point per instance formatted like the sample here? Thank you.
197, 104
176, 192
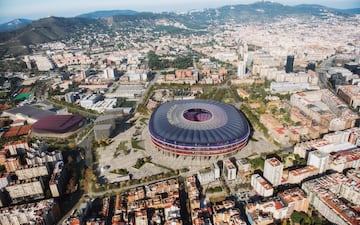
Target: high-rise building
319, 160
57, 180
109, 73
357, 55
261, 186
289, 68
273, 170
311, 66
241, 69
70, 97
229, 169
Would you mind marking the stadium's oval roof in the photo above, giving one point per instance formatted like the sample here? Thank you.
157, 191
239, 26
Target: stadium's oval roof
198, 122
58, 123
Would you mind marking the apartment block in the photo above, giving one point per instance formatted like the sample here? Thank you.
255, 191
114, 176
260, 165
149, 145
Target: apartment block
229, 170
261, 186
273, 170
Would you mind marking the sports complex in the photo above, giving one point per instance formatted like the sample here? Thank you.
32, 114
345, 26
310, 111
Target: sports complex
57, 126
198, 128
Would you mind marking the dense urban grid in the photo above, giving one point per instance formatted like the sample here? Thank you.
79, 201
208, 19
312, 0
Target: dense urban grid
160, 119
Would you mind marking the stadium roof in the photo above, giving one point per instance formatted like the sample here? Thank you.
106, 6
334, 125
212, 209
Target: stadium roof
30, 112
58, 123
198, 122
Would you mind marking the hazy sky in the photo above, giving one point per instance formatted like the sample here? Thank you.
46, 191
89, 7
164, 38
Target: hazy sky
34, 9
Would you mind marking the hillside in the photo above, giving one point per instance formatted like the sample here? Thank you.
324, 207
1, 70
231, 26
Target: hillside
14, 24
106, 13
56, 28
44, 30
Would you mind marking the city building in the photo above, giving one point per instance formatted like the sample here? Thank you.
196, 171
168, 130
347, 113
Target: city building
12, 164
43, 63
16, 147
70, 97
5, 179
350, 189
342, 160
89, 100
297, 175
323, 195
29, 190
103, 131
57, 180
225, 212
241, 70
229, 170
29, 113
277, 208
28, 172
326, 109
295, 199
289, 67
46, 212
244, 166
350, 94
109, 73
39, 157
206, 175
319, 160
273, 170
261, 186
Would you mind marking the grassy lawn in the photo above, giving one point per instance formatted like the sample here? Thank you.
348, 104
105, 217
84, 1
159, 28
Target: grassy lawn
135, 144
121, 147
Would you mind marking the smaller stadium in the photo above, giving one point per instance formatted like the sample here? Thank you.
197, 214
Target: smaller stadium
198, 128
57, 126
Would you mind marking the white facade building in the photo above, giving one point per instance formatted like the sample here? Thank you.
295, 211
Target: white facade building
261, 186
319, 160
229, 170
273, 170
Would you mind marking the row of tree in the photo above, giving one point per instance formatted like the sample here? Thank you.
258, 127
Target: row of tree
157, 63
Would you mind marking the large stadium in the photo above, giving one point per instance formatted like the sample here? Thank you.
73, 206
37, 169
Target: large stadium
198, 128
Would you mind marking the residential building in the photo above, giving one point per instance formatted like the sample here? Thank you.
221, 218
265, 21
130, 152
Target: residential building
28, 172
319, 160
206, 175
12, 164
273, 170
297, 175
57, 180
33, 189
229, 170
261, 186
46, 212
323, 195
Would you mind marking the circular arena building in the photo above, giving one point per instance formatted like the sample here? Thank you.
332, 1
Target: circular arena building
198, 128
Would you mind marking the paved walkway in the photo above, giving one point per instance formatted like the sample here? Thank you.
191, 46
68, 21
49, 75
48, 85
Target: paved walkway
109, 161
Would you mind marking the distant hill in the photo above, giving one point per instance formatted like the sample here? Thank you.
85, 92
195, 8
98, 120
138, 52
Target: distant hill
260, 11
352, 11
17, 42
14, 24
106, 13
43, 30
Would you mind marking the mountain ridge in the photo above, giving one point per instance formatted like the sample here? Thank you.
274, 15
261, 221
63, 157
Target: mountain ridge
17, 42
14, 24
106, 13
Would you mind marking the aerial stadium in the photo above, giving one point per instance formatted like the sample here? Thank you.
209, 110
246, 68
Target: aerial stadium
198, 128
57, 126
